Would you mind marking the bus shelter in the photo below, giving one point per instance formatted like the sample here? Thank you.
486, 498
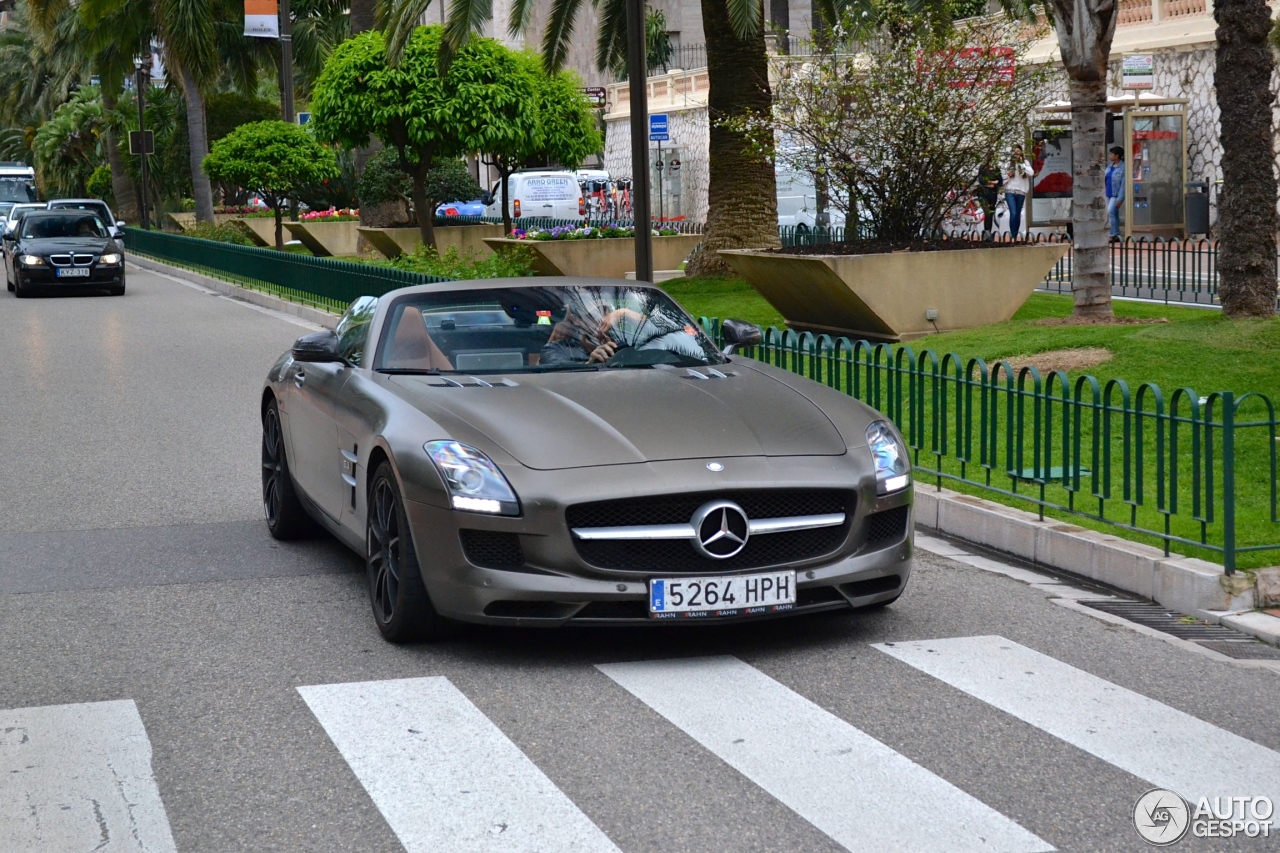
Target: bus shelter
1152, 132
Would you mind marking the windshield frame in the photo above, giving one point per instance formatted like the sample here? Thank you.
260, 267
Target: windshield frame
668, 320
76, 217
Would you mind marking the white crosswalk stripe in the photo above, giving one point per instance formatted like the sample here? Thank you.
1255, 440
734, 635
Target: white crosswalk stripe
860, 792
1165, 746
78, 777
443, 775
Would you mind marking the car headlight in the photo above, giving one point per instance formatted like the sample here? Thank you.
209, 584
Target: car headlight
893, 470
475, 484
31, 260
110, 259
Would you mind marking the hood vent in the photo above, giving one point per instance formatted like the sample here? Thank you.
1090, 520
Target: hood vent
711, 373
470, 382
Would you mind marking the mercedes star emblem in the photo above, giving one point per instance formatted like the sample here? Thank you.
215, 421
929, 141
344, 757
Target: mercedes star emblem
721, 529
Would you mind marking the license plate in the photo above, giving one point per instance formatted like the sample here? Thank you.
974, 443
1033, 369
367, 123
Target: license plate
740, 595
73, 272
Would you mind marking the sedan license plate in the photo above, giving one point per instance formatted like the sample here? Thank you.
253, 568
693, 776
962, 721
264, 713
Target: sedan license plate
73, 272
740, 595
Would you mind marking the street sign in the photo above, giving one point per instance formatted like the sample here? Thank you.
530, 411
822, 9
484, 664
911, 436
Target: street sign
142, 142
658, 128
596, 95
304, 118
1138, 71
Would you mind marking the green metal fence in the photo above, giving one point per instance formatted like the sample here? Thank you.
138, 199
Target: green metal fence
321, 282
1189, 472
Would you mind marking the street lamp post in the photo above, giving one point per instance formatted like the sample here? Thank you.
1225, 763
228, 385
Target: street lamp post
142, 61
638, 75
286, 62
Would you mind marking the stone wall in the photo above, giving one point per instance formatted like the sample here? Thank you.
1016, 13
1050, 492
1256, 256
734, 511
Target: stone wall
690, 136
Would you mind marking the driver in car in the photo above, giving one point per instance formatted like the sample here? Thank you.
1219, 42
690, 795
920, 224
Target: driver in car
576, 340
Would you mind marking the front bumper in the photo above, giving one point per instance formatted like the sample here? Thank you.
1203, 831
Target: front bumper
554, 586
46, 276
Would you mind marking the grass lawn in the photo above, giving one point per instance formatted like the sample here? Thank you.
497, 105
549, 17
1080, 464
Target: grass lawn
1197, 349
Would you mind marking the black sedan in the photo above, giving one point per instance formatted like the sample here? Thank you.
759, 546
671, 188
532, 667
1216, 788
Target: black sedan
551, 451
62, 249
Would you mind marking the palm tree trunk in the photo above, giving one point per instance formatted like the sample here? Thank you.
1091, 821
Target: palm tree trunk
742, 193
1247, 208
360, 17
198, 131
126, 200
1091, 259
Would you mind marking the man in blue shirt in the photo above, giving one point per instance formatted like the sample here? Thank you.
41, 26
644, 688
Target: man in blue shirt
1115, 189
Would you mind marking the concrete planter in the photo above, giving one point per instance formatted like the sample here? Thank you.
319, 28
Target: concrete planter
326, 239
885, 297
262, 230
607, 258
469, 240
185, 219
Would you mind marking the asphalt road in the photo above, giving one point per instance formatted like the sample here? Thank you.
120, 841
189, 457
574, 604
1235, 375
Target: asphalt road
225, 692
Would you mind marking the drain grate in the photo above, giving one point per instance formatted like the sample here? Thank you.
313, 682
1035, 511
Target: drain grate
1225, 641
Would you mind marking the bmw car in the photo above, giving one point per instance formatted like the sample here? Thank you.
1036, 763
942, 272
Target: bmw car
62, 249
561, 451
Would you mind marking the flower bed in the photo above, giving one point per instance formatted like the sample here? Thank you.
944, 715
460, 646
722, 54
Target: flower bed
244, 211
584, 232
333, 214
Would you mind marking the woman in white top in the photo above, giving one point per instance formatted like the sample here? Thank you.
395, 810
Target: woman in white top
1017, 183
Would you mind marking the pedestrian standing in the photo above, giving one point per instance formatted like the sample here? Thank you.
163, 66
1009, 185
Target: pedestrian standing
1115, 190
1017, 183
988, 191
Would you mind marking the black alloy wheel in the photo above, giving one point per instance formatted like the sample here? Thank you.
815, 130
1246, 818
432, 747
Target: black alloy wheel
401, 607
286, 516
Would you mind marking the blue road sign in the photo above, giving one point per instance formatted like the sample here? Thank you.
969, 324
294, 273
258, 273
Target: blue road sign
658, 128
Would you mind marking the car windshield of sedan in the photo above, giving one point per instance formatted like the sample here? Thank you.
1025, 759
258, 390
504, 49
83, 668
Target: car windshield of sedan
66, 225
534, 329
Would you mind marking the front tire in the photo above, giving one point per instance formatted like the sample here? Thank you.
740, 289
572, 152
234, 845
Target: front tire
20, 290
402, 609
286, 517
116, 290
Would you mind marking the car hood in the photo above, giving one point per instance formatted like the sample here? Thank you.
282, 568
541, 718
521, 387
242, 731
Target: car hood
51, 245
618, 417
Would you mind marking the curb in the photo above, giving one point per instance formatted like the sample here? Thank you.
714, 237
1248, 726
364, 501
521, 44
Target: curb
1185, 584
235, 291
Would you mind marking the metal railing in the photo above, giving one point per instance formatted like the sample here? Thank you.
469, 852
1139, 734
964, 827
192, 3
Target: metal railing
1180, 469
322, 282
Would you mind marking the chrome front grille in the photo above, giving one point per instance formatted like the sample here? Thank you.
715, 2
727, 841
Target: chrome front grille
64, 259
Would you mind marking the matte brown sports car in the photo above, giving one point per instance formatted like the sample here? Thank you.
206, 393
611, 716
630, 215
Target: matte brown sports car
552, 451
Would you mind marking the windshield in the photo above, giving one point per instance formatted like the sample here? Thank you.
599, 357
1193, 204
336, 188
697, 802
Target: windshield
16, 189
69, 225
535, 329
97, 207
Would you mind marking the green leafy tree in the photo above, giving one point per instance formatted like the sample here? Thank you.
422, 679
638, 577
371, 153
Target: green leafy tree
564, 127
69, 146
275, 159
426, 114
99, 186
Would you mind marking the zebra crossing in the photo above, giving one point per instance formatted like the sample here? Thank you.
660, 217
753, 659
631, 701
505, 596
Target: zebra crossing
445, 777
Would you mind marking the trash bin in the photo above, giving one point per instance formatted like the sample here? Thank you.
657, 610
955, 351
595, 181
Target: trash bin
1197, 207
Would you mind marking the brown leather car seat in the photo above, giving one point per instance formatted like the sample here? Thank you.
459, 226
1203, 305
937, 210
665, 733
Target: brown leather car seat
412, 346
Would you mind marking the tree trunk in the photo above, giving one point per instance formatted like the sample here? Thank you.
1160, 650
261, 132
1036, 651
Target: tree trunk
1091, 259
742, 194
122, 192
198, 131
1085, 30
1247, 205
503, 174
361, 16
279, 214
422, 208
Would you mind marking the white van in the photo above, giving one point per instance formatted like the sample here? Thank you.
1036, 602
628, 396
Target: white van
540, 193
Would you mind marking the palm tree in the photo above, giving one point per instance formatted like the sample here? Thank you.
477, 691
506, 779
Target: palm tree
742, 196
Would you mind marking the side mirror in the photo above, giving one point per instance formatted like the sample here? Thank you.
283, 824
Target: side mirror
119, 223
9, 235
486, 198
317, 346
739, 333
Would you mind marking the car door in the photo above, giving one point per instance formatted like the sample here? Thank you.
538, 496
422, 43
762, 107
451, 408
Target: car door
321, 467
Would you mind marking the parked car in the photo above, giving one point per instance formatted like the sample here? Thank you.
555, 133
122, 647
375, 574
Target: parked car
578, 451
539, 193
62, 249
475, 207
95, 205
